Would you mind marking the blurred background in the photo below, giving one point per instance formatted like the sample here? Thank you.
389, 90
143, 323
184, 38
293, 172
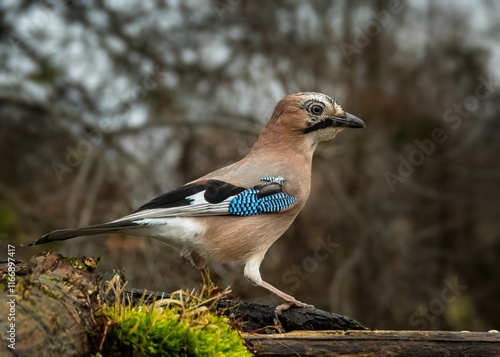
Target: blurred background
106, 104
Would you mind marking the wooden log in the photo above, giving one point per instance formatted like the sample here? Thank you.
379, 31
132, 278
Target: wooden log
377, 343
56, 298
52, 307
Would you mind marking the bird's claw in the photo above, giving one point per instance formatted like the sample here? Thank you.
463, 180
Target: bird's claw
288, 304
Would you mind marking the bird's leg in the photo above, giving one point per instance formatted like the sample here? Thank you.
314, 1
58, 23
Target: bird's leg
289, 299
252, 273
199, 263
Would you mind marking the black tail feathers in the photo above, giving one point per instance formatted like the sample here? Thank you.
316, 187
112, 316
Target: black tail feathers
63, 234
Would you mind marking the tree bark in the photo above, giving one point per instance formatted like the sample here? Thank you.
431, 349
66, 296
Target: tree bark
53, 302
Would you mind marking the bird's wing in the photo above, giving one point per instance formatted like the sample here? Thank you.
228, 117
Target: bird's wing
214, 198
203, 198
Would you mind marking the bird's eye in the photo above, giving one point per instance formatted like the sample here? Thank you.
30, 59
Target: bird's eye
316, 109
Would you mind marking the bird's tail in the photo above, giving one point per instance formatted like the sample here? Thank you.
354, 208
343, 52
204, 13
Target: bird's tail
63, 234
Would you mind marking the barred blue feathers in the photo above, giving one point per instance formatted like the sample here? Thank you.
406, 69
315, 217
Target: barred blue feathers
248, 203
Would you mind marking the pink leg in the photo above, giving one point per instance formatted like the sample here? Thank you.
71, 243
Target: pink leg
289, 300
252, 273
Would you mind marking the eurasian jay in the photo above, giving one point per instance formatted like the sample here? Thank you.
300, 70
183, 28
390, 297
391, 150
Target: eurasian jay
236, 213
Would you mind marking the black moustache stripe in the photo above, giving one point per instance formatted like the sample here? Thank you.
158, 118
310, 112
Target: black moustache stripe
321, 125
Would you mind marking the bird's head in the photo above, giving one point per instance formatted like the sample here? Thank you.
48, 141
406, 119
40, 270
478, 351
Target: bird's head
314, 117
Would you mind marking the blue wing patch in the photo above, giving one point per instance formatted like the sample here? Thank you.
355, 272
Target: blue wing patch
249, 202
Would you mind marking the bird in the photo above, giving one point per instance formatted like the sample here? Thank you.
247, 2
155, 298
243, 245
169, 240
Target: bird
235, 214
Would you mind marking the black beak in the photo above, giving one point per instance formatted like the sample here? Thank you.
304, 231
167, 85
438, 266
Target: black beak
345, 121
348, 121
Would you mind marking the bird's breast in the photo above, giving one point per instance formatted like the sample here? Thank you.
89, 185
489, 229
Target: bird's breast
235, 239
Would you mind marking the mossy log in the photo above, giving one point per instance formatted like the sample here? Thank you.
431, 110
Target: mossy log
56, 298
260, 318
52, 311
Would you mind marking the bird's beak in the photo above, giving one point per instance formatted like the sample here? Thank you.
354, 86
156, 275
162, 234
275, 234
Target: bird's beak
347, 121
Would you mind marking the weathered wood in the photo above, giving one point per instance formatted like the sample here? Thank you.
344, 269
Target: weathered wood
52, 308
377, 343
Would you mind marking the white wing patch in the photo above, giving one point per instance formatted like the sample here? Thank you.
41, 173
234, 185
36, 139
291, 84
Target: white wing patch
197, 207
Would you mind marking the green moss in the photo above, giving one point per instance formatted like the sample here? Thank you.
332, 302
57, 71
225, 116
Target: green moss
165, 332
91, 263
85, 263
183, 325
50, 278
76, 262
49, 292
5, 280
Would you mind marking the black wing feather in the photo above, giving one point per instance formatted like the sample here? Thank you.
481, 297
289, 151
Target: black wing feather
174, 198
216, 191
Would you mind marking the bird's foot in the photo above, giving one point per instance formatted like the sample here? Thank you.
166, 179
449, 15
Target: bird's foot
288, 304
